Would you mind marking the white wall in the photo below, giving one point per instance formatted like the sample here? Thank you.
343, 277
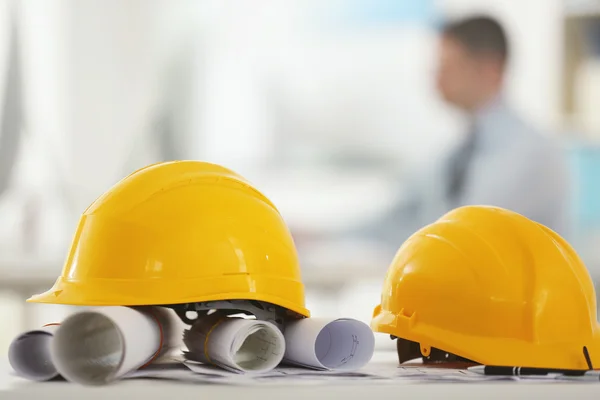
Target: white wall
104, 66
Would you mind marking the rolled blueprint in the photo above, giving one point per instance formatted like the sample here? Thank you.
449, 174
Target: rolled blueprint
235, 344
341, 344
29, 354
97, 346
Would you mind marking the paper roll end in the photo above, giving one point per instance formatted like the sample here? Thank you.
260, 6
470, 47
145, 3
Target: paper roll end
29, 356
88, 348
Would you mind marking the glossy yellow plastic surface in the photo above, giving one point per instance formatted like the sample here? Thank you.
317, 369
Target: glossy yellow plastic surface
180, 232
494, 287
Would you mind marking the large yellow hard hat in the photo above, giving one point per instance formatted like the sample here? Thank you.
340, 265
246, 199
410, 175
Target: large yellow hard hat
491, 286
180, 232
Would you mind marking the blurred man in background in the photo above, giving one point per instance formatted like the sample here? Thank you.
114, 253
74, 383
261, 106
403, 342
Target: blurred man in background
502, 160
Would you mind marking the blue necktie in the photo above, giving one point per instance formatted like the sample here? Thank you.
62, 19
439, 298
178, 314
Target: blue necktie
458, 169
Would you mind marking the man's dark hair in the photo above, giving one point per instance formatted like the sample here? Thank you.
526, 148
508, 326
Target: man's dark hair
481, 35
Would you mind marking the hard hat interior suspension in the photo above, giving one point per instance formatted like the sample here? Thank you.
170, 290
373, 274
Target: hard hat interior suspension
259, 309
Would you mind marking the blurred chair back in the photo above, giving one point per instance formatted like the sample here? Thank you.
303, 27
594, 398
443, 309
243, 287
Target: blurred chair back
585, 166
584, 158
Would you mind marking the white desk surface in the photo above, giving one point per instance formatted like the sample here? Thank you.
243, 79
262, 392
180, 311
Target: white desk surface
12, 387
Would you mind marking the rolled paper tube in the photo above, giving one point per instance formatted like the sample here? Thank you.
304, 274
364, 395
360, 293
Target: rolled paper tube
235, 344
29, 354
341, 344
98, 346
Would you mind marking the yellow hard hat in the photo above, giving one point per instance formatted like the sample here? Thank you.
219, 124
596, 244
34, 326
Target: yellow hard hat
180, 232
488, 285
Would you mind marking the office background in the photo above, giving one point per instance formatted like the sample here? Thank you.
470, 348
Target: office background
328, 107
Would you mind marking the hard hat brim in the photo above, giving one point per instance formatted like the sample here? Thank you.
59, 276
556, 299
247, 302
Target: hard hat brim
124, 293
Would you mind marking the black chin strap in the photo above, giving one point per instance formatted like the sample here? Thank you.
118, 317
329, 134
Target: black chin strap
409, 350
588, 360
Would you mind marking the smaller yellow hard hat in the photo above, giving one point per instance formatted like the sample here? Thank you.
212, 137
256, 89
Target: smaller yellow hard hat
176, 233
491, 286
